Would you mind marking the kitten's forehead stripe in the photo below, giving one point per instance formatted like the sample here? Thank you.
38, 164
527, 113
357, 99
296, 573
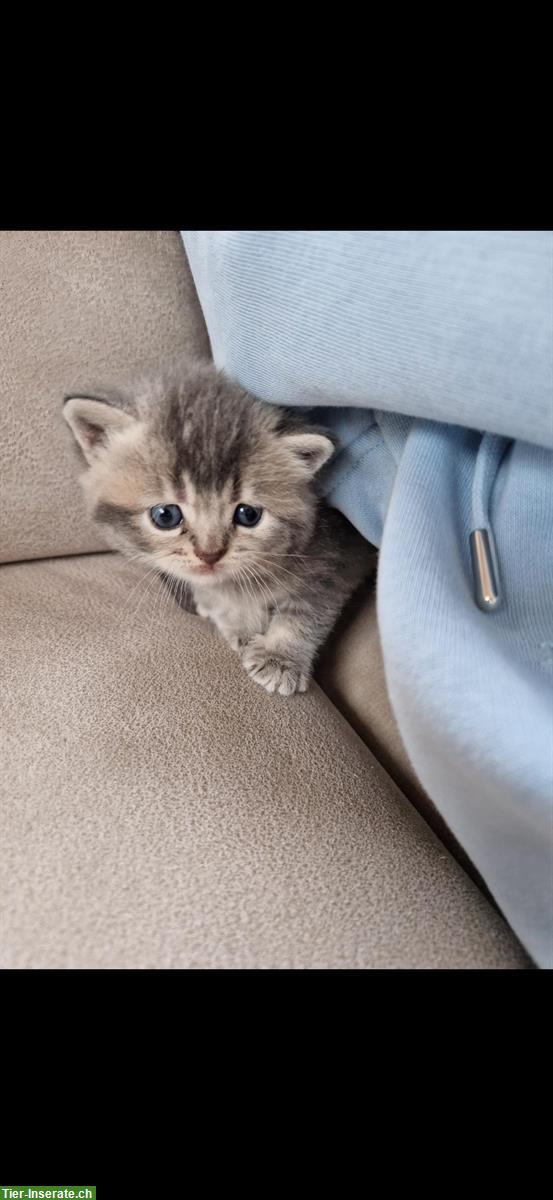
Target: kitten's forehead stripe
212, 431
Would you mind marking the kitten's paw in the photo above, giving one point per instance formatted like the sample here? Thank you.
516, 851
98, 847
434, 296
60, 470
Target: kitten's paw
274, 672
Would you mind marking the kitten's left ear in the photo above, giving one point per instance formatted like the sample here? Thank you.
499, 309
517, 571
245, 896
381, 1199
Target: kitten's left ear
309, 450
93, 418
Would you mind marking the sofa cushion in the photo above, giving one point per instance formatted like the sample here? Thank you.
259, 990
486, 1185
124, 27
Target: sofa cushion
76, 307
159, 810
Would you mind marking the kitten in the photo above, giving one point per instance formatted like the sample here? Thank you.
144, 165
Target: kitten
216, 488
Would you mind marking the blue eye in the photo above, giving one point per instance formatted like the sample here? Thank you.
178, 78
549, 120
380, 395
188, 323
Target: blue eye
166, 516
247, 515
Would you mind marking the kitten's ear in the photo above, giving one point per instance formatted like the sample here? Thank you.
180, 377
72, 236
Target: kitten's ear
309, 450
93, 418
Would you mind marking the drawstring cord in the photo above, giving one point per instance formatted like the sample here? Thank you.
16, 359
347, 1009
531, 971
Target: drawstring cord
483, 550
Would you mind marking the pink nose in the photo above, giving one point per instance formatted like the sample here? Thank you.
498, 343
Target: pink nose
209, 558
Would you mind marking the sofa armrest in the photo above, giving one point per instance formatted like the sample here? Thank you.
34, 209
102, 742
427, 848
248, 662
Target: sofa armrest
77, 306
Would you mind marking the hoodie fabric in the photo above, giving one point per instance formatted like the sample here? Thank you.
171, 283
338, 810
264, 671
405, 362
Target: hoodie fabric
429, 353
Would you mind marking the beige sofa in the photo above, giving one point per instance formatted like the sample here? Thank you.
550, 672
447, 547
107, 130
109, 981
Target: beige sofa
157, 810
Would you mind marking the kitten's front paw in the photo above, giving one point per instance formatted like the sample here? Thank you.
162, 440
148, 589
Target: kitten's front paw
273, 671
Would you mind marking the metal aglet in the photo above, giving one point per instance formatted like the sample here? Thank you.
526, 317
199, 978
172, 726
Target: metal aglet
485, 570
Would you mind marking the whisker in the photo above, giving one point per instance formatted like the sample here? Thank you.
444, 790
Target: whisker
258, 589
126, 559
235, 575
137, 586
241, 584
277, 554
147, 592
303, 583
182, 591
248, 586
159, 604
263, 567
266, 590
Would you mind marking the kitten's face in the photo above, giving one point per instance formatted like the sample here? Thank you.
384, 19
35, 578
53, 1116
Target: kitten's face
194, 474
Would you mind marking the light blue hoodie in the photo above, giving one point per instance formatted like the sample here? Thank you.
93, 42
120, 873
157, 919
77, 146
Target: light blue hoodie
431, 353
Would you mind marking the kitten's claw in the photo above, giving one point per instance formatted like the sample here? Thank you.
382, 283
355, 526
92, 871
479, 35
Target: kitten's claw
274, 673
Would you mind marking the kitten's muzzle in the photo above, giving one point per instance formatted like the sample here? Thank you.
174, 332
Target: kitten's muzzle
210, 557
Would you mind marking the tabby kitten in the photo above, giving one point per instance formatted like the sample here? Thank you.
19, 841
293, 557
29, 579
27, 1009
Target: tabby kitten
216, 489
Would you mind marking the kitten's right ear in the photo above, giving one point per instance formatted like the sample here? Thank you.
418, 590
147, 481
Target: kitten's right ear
93, 418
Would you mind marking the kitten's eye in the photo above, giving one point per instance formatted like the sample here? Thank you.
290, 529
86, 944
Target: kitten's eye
166, 516
247, 515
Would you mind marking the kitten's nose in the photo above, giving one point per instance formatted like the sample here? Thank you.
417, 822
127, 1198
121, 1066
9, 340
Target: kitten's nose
209, 558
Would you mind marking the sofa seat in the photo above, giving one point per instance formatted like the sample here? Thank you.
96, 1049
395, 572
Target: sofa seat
159, 810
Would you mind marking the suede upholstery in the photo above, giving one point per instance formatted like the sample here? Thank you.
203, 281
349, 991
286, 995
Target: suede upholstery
160, 810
